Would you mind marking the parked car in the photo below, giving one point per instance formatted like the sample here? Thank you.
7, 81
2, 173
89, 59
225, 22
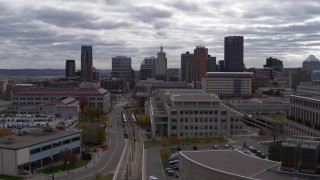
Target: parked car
153, 178
226, 146
194, 147
174, 162
178, 148
215, 146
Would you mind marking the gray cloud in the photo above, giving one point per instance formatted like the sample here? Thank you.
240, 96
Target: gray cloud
185, 6
148, 14
45, 33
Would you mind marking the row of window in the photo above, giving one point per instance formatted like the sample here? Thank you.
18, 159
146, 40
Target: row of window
54, 145
200, 112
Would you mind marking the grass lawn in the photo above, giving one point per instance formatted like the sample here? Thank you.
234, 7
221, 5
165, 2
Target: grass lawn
108, 177
9, 177
185, 142
275, 117
63, 167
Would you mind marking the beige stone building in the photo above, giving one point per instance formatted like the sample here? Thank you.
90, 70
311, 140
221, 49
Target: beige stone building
190, 112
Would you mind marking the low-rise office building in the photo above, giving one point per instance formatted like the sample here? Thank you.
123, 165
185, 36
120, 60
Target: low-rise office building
36, 150
304, 116
260, 105
228, 83
28, 98
190, 112
309, 88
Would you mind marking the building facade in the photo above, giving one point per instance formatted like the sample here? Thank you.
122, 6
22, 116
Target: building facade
304, 116
161, 65
86, 63
187, 67
190, 112
311, 64
148, 68
121, 67
309, 88
228, 83
212, 64
233, 53
38, 150
98, 98
70, 68
274, 63
200, 62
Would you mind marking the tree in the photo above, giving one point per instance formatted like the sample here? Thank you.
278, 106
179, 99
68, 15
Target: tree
195, 140
262, 133
275, 151
165, 154
207, 140
83, 100
67, 156
173, 140
143, 119
113, 97
165, 142
5, 132
98, 176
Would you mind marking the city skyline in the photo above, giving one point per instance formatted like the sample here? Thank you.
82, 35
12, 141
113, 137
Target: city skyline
43, 34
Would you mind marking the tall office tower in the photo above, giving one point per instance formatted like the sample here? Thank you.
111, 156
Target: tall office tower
212, 64
221, 66
86, 63
161, 65
187, 67
200, 62
233, 53
121, 68
70, 68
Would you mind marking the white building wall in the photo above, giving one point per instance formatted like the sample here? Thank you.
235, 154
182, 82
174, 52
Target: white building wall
8, 162
23, 156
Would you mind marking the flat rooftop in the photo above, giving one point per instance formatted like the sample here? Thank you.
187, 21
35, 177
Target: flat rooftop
237, 163
36, 137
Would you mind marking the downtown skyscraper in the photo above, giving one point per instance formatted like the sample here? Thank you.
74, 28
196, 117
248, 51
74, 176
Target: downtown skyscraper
200, 62
86, 63
161, 65
70, 68
233, 53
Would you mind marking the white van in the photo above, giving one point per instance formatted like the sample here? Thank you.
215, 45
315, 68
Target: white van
153, 178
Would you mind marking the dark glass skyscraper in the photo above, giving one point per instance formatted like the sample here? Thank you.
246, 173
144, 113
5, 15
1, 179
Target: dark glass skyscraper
70, 68
86, 63
233, 53
187, 67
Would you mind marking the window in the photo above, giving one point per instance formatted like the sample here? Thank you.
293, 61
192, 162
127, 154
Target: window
56, 144
67, 141
44, 148
174, 127
34, 151
75, 139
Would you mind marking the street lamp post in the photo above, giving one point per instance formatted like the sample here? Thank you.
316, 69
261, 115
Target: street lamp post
25, 174
68, 167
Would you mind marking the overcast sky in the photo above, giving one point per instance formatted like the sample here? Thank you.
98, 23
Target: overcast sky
44, 33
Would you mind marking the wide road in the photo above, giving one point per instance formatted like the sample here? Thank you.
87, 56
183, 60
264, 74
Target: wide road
131, 166
110, 159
